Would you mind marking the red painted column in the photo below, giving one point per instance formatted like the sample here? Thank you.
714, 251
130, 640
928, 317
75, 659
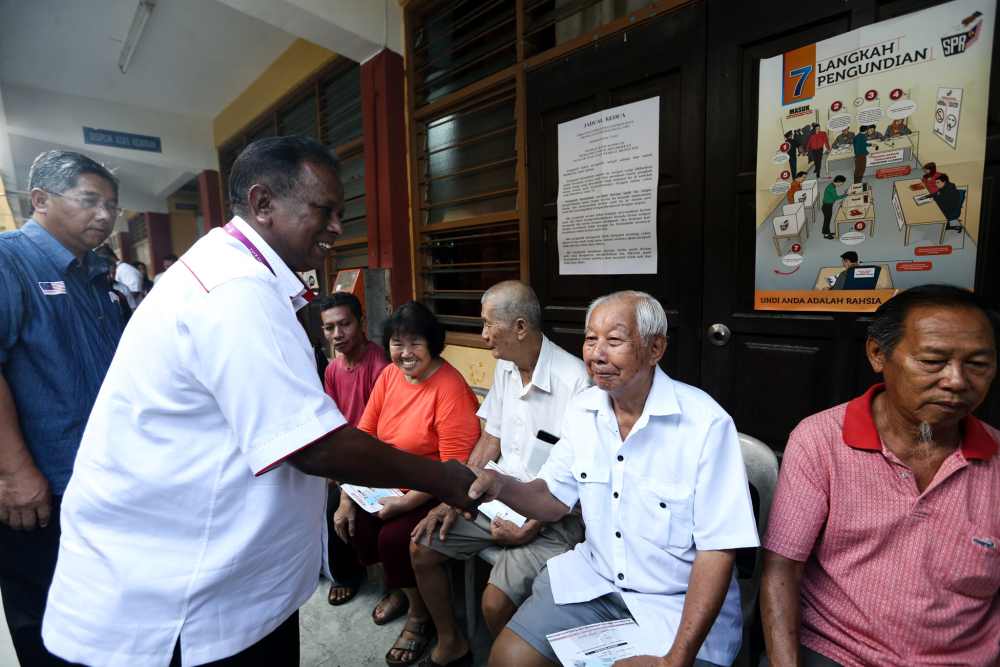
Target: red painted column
160, 242
210, 193
386, 191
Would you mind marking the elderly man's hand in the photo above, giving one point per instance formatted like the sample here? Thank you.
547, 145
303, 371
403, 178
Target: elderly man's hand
442, 515
25, 500
486, 487
392, 506
507, 534
343, 519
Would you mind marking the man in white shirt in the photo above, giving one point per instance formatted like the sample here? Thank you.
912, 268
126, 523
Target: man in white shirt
656, 467
533, 384
194, 522
131, 278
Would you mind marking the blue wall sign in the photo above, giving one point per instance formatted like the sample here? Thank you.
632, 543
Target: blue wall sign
136, 142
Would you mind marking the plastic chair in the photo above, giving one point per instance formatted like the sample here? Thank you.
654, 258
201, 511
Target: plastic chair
762, 474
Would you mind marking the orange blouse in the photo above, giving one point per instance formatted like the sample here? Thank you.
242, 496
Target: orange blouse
435, 419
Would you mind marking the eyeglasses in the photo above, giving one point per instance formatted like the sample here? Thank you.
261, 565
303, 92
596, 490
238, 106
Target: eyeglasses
90, 203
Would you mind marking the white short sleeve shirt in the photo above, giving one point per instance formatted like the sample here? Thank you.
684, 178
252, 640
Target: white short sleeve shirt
515, 413
676, 485
180, 519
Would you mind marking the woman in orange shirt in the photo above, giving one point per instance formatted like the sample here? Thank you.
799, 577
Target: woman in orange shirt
422, 405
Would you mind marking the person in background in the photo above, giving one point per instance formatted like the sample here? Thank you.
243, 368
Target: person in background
168, 261
795, 187
533, 385
348, 379
929, 177
59, 327
949, 199
147, 284
830, 197
848, 260
860, 153
883, 542
421, 405
657, 469
131, 278
844, 139
873, 134
818, 141
897, 128
793, 151
117, 289
193, 525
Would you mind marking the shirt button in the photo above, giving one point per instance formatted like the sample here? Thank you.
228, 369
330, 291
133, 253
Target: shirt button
621, 458
583, 475
618, 534
663, 505
621, 577
614, 495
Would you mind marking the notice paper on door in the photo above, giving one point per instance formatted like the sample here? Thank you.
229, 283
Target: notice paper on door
596, 645
498, 510
369, 498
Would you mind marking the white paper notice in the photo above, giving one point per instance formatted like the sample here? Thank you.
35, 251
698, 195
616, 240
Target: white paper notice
608, 174
947, 113
367, 497
498, 510
596, 645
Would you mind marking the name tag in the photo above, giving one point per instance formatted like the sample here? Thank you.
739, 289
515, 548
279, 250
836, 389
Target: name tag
864, 273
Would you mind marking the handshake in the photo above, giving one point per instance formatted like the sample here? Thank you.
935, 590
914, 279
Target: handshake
465, 488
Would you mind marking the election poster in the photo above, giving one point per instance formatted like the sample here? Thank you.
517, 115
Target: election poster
606, 206
870, 157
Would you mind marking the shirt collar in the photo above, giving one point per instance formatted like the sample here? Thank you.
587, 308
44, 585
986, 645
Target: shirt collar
541, 376
55, 251
660, 401
859, 429
288, 281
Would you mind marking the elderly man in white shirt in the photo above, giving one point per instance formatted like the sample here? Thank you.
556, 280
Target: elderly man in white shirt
534, 382
656, 467
194, 523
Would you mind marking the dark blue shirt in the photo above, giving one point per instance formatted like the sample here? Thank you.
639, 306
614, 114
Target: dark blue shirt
59, 327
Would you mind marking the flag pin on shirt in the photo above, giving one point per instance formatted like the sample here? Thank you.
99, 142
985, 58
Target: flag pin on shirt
52, 288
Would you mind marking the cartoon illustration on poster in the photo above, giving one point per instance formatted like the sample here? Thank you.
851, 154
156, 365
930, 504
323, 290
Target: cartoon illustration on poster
870, 157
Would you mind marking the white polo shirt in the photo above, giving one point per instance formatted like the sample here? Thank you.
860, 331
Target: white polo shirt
170, 526
676, 485
515, 413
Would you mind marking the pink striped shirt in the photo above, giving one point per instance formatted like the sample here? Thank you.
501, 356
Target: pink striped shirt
893, 577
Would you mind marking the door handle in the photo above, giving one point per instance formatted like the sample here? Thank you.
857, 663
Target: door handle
719, 334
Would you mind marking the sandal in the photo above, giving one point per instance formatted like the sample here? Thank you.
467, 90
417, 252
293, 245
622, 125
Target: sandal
390, 611
422, 633
341, 599
463, 661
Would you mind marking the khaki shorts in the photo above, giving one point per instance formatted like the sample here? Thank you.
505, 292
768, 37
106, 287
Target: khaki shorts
518, 566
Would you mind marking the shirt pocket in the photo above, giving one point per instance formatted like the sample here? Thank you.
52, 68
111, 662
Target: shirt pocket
536, 456
665, 513
593, 482
969, 560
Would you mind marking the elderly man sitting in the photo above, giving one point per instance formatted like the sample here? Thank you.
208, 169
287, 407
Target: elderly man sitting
533, 384
883, 546
656, 467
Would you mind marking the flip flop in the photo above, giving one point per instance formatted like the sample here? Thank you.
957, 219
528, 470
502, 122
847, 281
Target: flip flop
394, 612
461, 661
423, 633
352, 591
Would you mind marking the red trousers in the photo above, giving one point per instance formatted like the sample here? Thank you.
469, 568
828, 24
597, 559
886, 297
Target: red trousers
388, 542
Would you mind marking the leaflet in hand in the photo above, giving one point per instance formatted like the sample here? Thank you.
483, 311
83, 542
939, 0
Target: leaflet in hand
596, 645
368, 498
496, 509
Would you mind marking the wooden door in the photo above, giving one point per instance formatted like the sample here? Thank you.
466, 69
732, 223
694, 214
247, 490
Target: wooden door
665, 58
780, 367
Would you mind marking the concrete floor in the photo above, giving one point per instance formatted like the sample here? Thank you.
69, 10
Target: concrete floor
342, 636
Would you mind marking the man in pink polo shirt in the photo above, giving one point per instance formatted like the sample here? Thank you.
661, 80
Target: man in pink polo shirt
883, 546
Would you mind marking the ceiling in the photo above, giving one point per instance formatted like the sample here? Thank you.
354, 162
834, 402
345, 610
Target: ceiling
194, 57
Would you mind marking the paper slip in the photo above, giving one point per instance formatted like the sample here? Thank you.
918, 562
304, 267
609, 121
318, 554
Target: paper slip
596, 645
498, 510
369, 498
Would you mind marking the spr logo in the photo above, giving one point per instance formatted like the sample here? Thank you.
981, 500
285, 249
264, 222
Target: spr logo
967, 34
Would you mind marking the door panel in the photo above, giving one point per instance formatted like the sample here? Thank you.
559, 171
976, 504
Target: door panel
781, 367
663, 58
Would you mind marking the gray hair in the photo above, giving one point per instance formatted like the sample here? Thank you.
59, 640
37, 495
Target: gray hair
513, 300
59, 171
650, 318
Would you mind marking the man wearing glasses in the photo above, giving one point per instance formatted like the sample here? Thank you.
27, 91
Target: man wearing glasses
59, 327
